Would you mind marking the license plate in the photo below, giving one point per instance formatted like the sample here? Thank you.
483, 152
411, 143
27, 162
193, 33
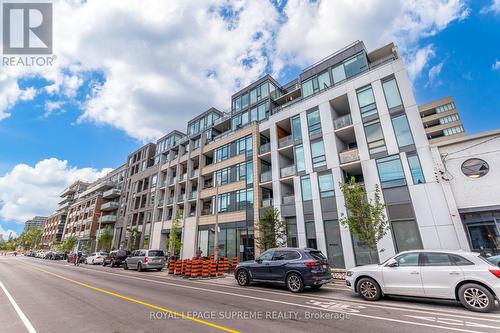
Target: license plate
157, 260
325, 266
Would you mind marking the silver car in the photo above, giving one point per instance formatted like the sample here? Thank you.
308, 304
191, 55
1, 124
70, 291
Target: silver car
145, 259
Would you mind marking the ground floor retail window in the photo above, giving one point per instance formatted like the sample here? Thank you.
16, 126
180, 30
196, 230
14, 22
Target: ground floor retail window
406, 235
291, 232
483, 235
311, 235
235, 240
362, 253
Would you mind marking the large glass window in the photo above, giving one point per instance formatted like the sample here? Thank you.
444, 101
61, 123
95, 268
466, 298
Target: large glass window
299, 158
406, 235
291, 231
391, 171
305, 184
355, 65
314, 122
296, 129
402, 130
326, 187
324, 80
310, 234
338, 73
391, 93
244, 101
318, 154
307, 88
366, 101
315, 84
415, 169
375, 137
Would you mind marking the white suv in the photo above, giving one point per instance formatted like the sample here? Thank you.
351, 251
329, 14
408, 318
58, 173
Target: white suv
464, 276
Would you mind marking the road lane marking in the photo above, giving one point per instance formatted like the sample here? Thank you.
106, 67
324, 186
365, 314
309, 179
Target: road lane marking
20, 313
260, 299
456, 322
133, 300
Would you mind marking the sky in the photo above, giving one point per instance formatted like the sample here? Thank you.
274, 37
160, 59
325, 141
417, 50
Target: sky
129, 71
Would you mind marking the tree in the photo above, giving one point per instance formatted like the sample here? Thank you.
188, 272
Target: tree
174, 243
365, 219
68, 244
31, 238
105, 239
134, 237
271, 230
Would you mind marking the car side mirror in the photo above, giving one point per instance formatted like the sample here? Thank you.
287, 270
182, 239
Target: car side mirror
258, 260
393, 263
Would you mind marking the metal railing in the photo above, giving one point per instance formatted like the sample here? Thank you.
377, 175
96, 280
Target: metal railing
343, 121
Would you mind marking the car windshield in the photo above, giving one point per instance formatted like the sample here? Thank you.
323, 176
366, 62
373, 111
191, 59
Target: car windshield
156, 254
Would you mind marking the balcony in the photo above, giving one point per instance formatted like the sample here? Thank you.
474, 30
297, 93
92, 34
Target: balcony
183, 177
349, 156
206, 211
286, 141
170, 200
181, 197
343, 121
107, 219
287, 171
163, 184
265, 148
288, 200
172, 181
111, 194
266, 176
110, 206
268, 202
194, 173
160, 203
193, 195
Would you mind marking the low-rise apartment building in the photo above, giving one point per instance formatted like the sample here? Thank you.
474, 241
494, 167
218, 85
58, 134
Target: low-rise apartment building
441, 120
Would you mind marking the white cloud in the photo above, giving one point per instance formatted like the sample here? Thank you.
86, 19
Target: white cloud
52, 107
434, 72
6, 232
26, 191
496, 65
494, 7
172, 60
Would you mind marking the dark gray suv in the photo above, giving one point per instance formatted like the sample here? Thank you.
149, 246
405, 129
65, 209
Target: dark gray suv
294, 267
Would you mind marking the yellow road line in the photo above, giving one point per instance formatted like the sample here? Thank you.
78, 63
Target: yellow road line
178, 314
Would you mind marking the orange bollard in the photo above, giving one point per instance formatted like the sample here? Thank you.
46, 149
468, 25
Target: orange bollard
213, 268
205, 270
235, 263
171, 266
178, 267
189, 267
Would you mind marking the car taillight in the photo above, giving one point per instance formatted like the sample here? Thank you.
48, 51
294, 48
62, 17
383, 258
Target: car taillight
98, 257
312, 263
146, 259
495, 272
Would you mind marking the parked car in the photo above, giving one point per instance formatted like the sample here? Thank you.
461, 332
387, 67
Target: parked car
116, 258
464, 276
296, 268
96, 258
495, 260
145, 259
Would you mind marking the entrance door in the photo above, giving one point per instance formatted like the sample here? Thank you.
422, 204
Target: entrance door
334, 244
484, 237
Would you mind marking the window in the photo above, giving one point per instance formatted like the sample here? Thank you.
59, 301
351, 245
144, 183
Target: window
310, 234
436, 259
406, 235
366, 101
196, 143
459, 260
222, 153
305, 184
299, 158
391, 171
416, 170
448, 119
326, 187
296, 129
391, 92
237, 104
291, 231
445, 107
453, 130
338, 73
307, 88
267, 256
318, 154
316, 84
244, 101
375, 137
409, 259
285, 255
402, 130
314, 122
324, 80
475, 168
355, 65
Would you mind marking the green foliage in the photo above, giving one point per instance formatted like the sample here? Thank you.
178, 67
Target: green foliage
105, 239
271, 230
68, 244
366, 219
31, 238
134, 237
174, 243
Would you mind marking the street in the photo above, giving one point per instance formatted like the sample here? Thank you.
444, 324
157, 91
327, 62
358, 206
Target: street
54, 296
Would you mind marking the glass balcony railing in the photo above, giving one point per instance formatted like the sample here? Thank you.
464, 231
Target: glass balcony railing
160, 203
110, 194
266, 176
206, 211
286, 141
172, 181
288, 199
349, 156
193, 194
268, 202
181, 197
343, 121
287, 171
170, 201
265, 148
108, 206
194, 173
107, 219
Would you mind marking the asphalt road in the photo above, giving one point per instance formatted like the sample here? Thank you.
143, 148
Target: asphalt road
46, 296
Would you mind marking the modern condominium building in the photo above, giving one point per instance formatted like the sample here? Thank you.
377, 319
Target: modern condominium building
441, 120
37, 221
54, 228
353, 114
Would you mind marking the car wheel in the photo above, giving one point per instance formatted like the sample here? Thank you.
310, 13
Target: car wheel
243, 278
125, 267
316, 286
112, 264
369, 289
139, 267
159, 269
476, 298
294, 283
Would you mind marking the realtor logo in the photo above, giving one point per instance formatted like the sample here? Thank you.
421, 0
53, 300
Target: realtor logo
27, 28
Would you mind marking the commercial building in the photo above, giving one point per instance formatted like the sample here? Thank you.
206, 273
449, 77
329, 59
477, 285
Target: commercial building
468, 169
37, 221
441, 120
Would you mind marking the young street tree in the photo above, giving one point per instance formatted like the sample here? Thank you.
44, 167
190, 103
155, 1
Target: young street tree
31, 238
365, 219
105, 239
271, 230
174, 243
68, 244
133, 239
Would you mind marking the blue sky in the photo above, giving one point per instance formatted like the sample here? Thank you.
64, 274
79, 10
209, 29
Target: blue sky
116, 87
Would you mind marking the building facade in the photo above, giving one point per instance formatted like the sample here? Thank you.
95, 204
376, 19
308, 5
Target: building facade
37, 221
468, 169
53, 229
441, 120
